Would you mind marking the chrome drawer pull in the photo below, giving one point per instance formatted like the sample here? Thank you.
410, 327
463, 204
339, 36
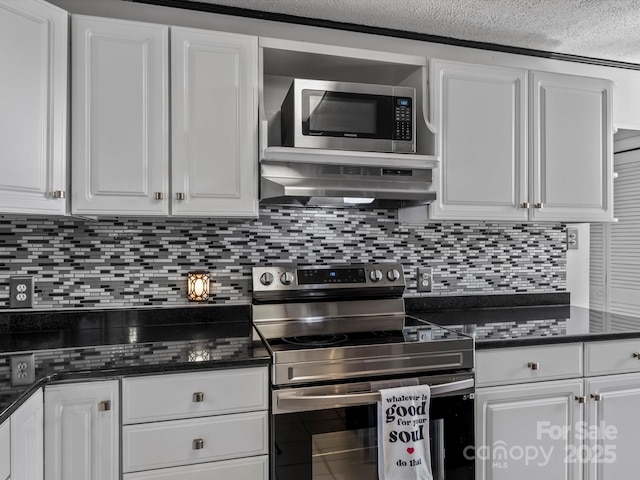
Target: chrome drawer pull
198, 444
198, 397
636, 355
180, 196
596, 396
158, 196
104, 406
539, 206
581, 399
533, 365
525, 205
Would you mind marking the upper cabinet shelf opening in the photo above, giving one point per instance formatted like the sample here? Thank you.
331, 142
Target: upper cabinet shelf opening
282, 61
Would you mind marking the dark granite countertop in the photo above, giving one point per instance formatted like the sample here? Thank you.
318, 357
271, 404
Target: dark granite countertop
85, 345
534, 325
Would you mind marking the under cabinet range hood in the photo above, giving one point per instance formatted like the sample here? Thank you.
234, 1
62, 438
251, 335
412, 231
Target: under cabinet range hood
362, 184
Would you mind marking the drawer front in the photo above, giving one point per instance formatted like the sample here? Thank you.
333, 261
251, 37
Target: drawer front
188, 395
5, 451
503, 366
197, 440
252, 468
610, 357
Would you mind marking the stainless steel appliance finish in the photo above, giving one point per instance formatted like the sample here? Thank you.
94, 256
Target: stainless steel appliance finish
337, 334
320, 184
349, 116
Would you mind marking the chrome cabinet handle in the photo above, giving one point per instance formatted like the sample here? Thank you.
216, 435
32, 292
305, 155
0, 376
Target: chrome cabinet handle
58, 194
581, 399
158, 196
198, 397
596, 396
539, 206
180, 196
197, 444
534, 365
525, 205
636, 355
104, 406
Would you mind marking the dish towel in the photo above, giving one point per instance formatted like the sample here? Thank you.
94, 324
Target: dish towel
403, 433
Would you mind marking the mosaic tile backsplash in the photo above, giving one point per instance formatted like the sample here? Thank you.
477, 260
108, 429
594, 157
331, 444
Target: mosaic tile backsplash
144, 262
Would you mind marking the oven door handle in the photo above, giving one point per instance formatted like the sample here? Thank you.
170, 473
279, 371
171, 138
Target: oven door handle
287, 401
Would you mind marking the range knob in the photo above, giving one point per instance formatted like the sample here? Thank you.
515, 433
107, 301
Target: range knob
375, 275
286, 278
393, 275
266, 278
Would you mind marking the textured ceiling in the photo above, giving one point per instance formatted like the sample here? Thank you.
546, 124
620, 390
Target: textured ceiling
604, 29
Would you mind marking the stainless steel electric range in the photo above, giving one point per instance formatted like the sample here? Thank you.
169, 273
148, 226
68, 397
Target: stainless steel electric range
337, 334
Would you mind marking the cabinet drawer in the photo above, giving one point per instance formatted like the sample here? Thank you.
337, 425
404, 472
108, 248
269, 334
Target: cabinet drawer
619, 356
173, 443
516, 365
187, 395
5, 451
252, 468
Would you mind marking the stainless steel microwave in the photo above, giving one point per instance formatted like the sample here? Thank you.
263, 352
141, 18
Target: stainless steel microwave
349, 116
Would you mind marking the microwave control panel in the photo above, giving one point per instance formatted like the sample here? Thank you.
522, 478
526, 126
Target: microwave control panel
403, 118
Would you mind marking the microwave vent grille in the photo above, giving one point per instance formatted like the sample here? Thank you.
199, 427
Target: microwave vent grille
351, 170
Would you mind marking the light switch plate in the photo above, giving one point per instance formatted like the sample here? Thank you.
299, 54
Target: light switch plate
425, 279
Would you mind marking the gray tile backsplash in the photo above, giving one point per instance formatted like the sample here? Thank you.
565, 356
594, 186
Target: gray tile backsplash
138, 262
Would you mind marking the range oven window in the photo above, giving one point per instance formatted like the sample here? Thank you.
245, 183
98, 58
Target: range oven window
342, 443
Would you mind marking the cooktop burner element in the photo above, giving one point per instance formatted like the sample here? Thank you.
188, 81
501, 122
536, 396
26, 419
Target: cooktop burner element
329, 323
317, 340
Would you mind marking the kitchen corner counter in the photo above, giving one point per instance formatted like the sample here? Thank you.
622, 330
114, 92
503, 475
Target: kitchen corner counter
86, 345
534, 325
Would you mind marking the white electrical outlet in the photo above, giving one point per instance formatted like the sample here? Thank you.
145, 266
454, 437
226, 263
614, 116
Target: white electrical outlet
21, 291
23, 371
425, 279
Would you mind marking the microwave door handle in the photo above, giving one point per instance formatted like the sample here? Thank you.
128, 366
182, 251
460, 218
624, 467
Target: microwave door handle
314, 402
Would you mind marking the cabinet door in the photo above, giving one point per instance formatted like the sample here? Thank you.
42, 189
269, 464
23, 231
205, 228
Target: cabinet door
214, 123
571, 148
520, 431
480, 116
27, 446
82, 431
5, 450
33, 116
613, 453
120, 149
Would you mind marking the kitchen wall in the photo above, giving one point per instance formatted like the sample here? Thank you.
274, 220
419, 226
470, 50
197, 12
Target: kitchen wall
144, 262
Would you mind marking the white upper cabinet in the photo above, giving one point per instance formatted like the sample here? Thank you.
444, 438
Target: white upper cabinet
121, 124
571, 148
120, 148
480, 114
521, 146
214, 119
33, 112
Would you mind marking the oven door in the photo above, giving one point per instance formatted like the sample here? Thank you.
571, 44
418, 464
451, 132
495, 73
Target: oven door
330, 432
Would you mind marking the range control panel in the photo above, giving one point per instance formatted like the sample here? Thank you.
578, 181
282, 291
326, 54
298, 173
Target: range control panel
279, 278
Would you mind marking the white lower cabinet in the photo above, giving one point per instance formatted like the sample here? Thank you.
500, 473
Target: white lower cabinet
82, 431
211, 425
591, 435
612, 449
27, 445
253, 468
5, 450
520, 431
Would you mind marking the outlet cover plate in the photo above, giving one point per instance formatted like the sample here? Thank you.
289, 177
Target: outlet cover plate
572, 239
23, 371
21, 291
425, 279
